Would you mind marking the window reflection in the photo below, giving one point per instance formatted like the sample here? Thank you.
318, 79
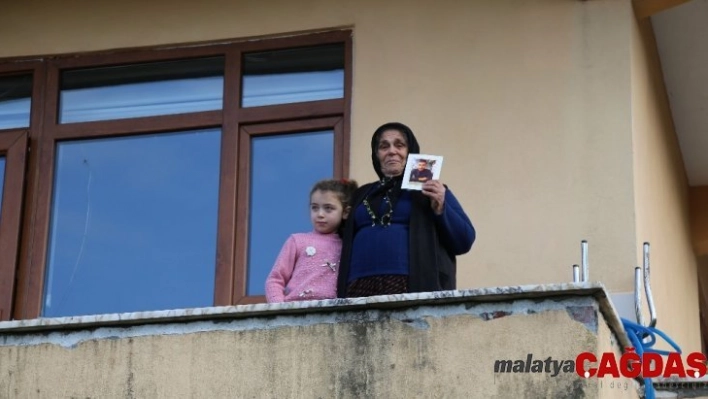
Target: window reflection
283, 170
15, 101
133, 224
162, 88
2, 180
293, 75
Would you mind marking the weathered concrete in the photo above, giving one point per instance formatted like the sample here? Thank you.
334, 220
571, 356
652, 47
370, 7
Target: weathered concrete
416, 345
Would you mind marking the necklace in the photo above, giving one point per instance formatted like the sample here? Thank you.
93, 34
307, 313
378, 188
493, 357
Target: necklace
385, 219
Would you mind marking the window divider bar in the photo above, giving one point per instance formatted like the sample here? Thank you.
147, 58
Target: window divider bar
10, 215
26, 304
225, 274
30, 285
344, 133
86, 130
293, 126
242, 212
309, 109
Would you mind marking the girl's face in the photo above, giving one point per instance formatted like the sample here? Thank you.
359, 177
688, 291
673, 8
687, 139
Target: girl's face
326, 211
392, 152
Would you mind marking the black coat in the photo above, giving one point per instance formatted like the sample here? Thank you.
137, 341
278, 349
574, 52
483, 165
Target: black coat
432, 263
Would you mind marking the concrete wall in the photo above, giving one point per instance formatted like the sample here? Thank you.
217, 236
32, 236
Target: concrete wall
529, 102
399, 347
662, 197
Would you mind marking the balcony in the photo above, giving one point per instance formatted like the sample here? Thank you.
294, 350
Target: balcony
506, 342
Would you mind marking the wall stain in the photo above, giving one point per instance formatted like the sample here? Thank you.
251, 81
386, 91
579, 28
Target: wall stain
130, 383
494, 315
417, 323
587, 315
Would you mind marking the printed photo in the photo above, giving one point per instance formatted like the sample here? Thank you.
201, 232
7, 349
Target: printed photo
421, 168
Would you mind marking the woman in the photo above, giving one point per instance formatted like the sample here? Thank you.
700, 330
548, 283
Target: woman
401, 241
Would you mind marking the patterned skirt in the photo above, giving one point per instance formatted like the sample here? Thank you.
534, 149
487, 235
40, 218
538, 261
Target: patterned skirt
388, 284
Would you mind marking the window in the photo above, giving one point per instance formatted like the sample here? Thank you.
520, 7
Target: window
158, 176
267, 180
293, 75
132, 216
15, 94
129, 91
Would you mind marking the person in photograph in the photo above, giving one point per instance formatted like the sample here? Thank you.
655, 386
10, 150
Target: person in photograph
421, 173
398, 241
308, 263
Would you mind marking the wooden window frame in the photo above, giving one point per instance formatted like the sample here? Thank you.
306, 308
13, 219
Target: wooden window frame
13, 147
237, 125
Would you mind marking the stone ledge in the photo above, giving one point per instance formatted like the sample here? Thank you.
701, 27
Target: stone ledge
470, 296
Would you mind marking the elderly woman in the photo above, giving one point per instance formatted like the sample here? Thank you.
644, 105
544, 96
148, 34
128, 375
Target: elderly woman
401, 241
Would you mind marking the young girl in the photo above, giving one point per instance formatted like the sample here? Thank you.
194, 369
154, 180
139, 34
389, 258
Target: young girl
308, 263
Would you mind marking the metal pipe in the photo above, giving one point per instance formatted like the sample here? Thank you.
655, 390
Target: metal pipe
638, 295
584, 260
576, 273
647, 286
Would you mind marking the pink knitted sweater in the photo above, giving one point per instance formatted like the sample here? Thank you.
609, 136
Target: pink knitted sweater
305, 269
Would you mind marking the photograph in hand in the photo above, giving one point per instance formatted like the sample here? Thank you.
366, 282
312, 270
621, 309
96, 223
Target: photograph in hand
421, 168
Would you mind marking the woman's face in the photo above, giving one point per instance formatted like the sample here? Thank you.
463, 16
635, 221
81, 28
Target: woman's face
392, 152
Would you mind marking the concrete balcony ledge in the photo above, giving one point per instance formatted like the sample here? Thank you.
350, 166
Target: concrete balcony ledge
469, 296
495, 342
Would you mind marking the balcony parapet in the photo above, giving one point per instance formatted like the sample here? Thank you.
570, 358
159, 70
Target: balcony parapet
488, 342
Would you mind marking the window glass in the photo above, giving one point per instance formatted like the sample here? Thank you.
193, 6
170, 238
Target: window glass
2, 180
15, 101
131, 91
293, 75
283, 170
133, 224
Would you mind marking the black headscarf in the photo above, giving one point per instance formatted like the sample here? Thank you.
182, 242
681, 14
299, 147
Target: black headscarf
389, 186
413, 147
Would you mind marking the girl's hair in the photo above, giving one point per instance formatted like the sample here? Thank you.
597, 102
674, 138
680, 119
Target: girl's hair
344, 188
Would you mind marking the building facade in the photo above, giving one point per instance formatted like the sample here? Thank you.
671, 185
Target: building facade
154, 142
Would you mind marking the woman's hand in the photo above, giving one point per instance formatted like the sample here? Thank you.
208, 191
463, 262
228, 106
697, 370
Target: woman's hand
435, 190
